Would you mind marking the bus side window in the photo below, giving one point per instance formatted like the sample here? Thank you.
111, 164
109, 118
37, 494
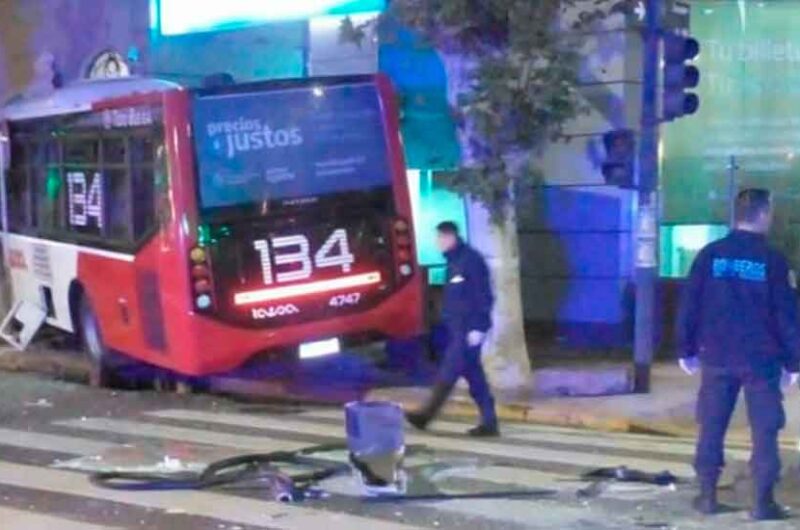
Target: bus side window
46, 170
116, 186
117, 204
161, 202
143, 152
18, 189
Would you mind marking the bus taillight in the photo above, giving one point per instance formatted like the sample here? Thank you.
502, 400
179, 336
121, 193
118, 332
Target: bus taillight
403, 250
201, 279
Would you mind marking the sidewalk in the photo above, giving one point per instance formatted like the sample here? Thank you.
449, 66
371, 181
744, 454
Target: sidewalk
667, 410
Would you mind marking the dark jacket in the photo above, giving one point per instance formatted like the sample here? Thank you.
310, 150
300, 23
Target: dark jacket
468, 298
739, 309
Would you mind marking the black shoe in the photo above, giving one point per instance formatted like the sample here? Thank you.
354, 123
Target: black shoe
770, 512
484, 431
418, 420
706, 503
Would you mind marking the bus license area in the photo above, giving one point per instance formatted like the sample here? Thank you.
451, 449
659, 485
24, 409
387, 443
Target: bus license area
290, 309
345, 300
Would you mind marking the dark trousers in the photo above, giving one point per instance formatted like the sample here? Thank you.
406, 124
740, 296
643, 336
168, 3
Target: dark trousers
717, 400
461, 360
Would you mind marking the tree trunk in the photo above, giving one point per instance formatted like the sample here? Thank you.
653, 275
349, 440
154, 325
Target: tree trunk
505, 353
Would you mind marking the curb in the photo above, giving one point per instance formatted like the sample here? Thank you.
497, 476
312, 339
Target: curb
60, 366
66, 367
553, 415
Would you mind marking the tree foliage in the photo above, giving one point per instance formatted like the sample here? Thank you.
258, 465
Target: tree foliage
522, 81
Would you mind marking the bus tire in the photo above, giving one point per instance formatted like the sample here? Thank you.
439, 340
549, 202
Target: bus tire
101, 374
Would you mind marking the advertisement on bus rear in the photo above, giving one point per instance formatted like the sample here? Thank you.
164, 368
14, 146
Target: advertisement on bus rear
289, 144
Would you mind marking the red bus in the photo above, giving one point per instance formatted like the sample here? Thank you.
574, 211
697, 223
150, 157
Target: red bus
192, 229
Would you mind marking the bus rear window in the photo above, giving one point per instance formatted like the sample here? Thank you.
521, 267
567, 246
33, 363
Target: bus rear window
273, 147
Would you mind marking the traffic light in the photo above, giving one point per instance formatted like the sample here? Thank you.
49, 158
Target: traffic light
619, 168
679, 77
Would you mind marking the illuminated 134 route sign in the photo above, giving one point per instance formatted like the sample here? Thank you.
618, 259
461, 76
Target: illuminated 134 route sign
335, 252
85, 195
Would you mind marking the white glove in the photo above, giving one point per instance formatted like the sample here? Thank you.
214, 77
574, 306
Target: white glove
789, 379
689, 365
475, 338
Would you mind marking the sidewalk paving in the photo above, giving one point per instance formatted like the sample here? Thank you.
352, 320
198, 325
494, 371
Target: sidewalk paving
668, 410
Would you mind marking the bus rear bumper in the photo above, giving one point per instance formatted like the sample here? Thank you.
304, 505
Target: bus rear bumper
215, 347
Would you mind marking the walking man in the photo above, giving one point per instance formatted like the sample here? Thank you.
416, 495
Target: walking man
466, 313
738, 322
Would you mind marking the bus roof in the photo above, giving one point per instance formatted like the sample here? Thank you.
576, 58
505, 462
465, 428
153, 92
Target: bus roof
81, 96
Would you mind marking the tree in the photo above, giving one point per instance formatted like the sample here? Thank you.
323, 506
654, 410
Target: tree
513, 85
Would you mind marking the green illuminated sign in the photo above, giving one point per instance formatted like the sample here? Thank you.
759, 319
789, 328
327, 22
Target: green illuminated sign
750, 96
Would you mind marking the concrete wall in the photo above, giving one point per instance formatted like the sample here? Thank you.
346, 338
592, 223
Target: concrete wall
575, 231
73, 31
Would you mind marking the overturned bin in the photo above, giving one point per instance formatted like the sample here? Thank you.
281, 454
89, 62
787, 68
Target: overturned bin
376, 442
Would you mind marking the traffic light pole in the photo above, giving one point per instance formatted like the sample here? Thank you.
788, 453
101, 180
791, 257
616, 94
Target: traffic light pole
646, 260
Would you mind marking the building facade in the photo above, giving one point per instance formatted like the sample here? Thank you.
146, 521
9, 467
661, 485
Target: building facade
577, 234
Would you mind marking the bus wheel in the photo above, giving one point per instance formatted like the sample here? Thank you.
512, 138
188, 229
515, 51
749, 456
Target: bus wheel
101, 373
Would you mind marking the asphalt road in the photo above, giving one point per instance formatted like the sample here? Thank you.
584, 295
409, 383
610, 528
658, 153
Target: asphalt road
52, 432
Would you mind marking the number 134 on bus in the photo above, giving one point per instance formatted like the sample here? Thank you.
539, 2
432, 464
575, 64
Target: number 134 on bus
193, 229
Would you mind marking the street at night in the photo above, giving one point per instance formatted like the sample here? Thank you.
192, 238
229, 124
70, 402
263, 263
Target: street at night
531, 478
399, 264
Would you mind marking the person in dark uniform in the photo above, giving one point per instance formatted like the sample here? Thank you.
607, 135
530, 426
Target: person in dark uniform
738, 322
466, 314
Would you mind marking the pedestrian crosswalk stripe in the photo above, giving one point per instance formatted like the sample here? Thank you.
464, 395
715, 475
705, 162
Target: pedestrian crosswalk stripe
71, 445
237, 510
514, 428
220, 430
498, 511
516, 476
632, 445
11, 519
250, 443
52, 442
532, 432
598, 440
81, 446
494, 449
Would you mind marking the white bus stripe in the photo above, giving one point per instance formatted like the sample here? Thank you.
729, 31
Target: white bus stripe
22, 520
501, 450
52, 442
88, 250
231, 509
261, 444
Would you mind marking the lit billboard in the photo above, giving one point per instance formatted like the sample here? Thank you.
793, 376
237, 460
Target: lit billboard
750, 96
179, 17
